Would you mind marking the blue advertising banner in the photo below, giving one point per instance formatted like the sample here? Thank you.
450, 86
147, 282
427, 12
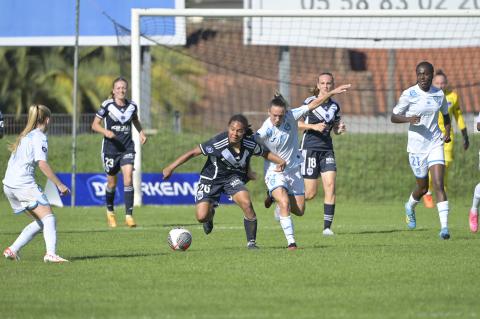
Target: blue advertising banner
180, 189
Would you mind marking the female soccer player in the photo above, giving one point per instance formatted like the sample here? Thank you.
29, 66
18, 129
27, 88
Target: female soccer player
225, 171
29, 150
317, 148
279, 133
473, 213
440, 81
118, 148
419, 105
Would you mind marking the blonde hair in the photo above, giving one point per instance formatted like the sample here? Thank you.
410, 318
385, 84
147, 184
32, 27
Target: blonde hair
315, 90
119, 79
37, 114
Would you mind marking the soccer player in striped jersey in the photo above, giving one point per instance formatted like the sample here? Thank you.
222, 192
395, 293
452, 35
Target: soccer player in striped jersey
2, 127
473, 214
419, 106
225, 171
440, 81
118, 149
25, 196
279, 133
317, 148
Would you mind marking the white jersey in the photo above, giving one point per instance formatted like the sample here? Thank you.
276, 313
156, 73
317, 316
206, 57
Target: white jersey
22, 163
425, 135
283, 140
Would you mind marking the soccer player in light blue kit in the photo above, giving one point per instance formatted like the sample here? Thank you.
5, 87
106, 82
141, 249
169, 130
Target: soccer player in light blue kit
419, 105
279, 133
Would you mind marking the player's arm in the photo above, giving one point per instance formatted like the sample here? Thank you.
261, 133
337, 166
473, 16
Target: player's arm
457, 113
138, 126
448, 125
324, 97
48, 172
319, 127
97, 127
275, 159
398, 114
167, 171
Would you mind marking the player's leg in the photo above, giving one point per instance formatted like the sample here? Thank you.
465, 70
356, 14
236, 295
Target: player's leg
111, 165
204, 212
473, 214
128, 193
437, 169
281, 197
328, 181
243, 200
419, 166
207, 198
296, 186
428, 198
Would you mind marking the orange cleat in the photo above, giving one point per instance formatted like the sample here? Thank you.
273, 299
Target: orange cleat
111, 219
129, 221
428, 201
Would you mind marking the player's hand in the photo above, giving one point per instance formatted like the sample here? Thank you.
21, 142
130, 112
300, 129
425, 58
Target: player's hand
167, 172
341, 128
109, 134
143, 138
447, 138
63, 190
414, 119
320, 127
281, 166
340, 89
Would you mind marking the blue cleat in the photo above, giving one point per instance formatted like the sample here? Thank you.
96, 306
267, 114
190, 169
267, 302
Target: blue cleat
410, 217
444, 234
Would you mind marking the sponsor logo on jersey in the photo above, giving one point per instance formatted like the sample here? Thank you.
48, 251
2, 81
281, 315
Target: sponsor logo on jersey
44, 149
121, 128
329, 160
309, 171
236, 182
128, 156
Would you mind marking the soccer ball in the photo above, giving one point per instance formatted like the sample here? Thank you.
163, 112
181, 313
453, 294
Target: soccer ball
179, 239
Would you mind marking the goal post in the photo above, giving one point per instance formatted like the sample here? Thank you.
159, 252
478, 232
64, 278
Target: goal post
350, 44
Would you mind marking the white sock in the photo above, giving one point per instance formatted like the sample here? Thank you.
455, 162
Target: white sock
476, 197
287, 226
50, 233
277, 213
26, 235
412, 202
443, 213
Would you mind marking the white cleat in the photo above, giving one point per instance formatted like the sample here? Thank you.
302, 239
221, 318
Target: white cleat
328, 232
54, 259
10, 254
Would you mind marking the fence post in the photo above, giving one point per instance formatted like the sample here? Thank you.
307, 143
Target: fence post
177, 123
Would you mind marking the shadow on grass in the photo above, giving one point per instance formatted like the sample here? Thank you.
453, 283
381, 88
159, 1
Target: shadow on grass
385, 231
79, 258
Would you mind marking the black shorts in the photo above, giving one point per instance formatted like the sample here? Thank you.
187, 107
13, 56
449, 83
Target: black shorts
210, 190
317, 162
113, 162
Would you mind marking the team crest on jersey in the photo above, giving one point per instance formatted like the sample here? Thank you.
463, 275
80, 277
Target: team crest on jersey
101, 112
413, 93
44, 149
209, 149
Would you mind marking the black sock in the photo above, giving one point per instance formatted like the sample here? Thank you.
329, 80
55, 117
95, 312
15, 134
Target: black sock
109, 198
250, 228
128, 197
329, 211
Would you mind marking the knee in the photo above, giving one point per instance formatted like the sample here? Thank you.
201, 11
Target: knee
309, 195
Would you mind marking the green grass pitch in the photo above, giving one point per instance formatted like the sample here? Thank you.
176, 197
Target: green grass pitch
372, 268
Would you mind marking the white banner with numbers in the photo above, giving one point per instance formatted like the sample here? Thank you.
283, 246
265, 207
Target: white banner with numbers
364, 32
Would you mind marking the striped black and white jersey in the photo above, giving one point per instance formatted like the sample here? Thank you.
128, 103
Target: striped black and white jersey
329, 113
2, 128
223, 160
118, 119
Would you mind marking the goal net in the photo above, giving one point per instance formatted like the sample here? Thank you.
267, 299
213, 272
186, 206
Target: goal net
216, 63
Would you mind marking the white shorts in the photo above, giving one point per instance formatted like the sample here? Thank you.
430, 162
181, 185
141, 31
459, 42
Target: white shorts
291, 180
421, 162
22, 199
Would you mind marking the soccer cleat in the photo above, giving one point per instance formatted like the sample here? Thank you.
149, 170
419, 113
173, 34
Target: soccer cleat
328, 232
252, 245
111, 219
428, 201
444, 234
10, 254
268, 200
208, 225
292, 246
410, 217
48, 258
129, 221
473, 220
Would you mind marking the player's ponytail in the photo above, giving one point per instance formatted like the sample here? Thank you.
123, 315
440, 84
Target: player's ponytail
37, 114
279, 100
242, 119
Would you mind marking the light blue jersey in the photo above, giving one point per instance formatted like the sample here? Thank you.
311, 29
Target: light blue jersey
283, 140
